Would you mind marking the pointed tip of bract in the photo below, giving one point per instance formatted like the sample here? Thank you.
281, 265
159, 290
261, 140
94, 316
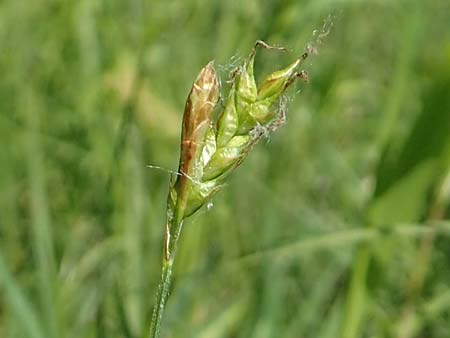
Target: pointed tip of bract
207, 78
208, 69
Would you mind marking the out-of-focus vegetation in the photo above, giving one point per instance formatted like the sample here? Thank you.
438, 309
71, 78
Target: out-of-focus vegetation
334, 228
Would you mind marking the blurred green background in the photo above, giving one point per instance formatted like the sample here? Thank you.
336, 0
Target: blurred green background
335, 227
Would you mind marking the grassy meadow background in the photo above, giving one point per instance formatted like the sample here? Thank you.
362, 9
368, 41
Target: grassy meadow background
334, 228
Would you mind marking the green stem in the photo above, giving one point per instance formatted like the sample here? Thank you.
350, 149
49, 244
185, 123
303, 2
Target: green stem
170, 250
161, 298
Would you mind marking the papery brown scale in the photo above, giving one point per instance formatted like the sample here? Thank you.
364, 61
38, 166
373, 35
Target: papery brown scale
200, 103
197, 117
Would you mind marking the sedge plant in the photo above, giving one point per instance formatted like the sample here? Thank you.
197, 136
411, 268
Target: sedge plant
211, 149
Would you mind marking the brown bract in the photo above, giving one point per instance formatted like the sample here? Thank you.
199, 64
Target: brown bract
197, 116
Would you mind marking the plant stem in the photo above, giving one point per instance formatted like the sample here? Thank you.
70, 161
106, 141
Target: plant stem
161, 298
166, 280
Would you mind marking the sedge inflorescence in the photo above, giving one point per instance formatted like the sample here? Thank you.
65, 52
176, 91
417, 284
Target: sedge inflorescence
212, 148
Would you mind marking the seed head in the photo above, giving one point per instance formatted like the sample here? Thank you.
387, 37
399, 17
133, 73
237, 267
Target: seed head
211, 150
